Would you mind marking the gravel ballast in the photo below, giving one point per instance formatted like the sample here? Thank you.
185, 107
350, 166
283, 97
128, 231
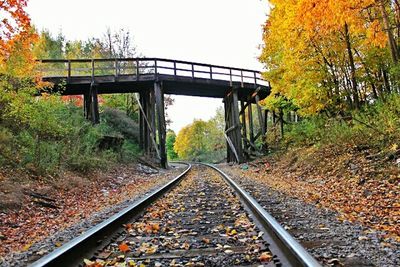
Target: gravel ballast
52, 242
330, 241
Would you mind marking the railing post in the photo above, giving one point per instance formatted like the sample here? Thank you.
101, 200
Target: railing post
255, 78
192, 71
155, 69
174, 68
116, 67
230, 76
241, 77
211, 76
92, 69
69, 69
137, 70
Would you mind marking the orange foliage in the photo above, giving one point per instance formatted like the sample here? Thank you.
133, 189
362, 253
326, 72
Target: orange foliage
77, 100
16, 39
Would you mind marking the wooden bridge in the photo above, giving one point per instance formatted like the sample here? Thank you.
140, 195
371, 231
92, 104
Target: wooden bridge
151, 78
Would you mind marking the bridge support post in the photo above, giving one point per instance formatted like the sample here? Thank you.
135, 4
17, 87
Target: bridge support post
262, 121
146, 126
142, 122
91, 105
152, 123
233, 127
161, 127
248, 136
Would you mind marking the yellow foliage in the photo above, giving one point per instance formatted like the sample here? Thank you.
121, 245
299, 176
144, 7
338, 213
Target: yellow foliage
305, 51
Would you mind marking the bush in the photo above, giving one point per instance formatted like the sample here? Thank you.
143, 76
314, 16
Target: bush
45, 135
375, 125
120, 123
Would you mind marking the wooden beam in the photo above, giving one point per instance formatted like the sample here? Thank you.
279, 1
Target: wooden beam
251, 124
141, 122
227, 127
151, 135
91, 105
152, 116
236, 122
87, 104
260, 115
159, 97
147, 128
243, 118
266, 120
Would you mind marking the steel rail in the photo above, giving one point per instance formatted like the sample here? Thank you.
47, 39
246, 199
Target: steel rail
288, 250
85, 245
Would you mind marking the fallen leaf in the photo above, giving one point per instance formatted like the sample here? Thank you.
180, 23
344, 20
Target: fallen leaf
123, 247
265, 256
88, 262
206, 240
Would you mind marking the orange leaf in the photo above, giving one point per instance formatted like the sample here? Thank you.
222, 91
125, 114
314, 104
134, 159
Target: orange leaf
265, 256
123, 247
206, 240
156, 227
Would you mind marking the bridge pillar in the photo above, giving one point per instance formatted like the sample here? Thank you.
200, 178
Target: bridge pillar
249, 136
233, 128
146, 121
152, 123
161, 128
144, 135
91, 104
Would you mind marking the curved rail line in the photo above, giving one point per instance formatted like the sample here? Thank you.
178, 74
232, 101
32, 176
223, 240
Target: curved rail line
286, 250
282, 244
73, 252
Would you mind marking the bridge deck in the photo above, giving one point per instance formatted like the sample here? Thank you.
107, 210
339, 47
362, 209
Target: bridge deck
74, 77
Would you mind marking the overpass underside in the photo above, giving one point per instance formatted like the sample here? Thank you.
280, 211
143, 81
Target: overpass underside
241, 91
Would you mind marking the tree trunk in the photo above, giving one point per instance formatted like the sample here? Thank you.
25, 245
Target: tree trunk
370, 78
386, 80
391, 41
352, 67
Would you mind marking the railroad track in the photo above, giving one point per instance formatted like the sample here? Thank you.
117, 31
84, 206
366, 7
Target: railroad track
201, 218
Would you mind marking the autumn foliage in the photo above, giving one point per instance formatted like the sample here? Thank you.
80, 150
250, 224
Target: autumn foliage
331, 55
202, 140
16, 39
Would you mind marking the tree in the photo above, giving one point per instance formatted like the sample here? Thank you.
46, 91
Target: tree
202, 140
325, 55
170, 142
16, 39
14, 25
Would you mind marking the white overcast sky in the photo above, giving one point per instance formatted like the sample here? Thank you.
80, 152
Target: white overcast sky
220, 32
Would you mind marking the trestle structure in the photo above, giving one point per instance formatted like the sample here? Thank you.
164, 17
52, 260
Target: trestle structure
91, 104
151, 78
243, 141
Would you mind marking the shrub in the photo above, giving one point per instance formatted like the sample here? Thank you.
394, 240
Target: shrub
120, 123
375, 125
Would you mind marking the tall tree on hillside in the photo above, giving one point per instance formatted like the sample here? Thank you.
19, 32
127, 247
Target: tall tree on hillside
325, 55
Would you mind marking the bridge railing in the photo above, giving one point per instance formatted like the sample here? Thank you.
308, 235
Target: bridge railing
71, 68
